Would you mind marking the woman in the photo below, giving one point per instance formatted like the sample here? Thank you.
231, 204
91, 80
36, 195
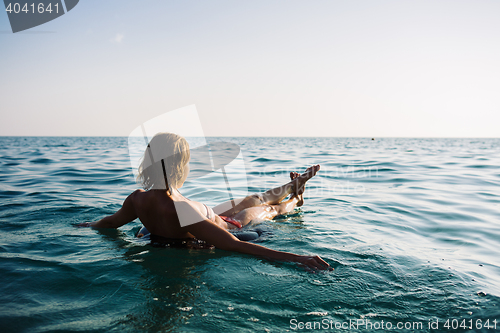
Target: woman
171, 217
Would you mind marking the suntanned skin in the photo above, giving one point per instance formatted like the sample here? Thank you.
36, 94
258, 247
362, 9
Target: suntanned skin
157, 210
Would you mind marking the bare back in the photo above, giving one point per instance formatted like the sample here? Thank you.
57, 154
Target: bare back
157, 212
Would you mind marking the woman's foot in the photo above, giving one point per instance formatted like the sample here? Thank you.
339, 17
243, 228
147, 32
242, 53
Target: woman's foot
299, 196
300, 181
303, 178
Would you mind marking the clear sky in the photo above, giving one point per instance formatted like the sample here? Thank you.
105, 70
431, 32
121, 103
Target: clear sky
258, 68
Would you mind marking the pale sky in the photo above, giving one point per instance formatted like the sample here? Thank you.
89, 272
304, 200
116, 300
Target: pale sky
257, 68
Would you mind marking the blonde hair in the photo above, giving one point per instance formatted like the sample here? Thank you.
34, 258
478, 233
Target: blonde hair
164, 162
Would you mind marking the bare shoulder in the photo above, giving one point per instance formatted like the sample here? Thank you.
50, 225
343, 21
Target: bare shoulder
138, 192
131, 201
137, 195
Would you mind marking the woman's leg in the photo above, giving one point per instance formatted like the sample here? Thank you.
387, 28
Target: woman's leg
298, 193
265, 212
270, 197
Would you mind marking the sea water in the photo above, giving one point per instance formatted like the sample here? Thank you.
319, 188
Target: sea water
411, 226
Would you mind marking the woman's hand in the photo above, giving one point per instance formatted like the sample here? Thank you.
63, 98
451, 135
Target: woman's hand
84, 224
314, 263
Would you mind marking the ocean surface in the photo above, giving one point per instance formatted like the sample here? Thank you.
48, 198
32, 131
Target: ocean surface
411, 226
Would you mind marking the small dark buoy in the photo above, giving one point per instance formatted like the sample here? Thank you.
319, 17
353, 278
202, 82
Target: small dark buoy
481, 265
373, 139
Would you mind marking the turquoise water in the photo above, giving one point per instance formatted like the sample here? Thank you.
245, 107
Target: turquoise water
412, 227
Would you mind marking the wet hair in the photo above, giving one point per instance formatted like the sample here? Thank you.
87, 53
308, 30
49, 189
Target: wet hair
164, 162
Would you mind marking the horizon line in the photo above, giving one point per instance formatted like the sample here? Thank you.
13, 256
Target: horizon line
208, 136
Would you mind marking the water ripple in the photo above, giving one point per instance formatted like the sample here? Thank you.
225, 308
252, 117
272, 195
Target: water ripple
410, 225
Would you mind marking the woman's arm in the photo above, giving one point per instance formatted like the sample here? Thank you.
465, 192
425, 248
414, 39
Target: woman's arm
123, 216
222, 239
